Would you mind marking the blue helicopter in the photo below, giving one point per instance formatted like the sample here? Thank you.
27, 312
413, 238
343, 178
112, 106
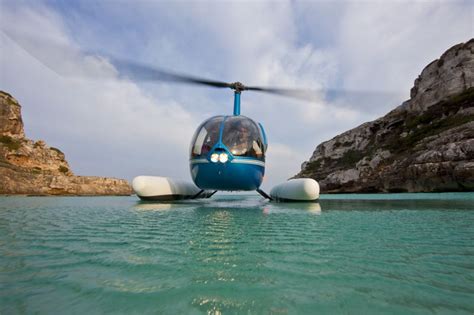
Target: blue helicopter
227, 153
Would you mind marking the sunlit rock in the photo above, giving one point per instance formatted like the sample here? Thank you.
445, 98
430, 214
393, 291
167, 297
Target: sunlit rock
34, 168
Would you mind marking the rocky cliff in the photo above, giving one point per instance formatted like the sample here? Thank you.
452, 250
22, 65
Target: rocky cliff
33, 168
424, 145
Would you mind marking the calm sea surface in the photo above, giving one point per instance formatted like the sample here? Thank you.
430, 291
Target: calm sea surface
348, 254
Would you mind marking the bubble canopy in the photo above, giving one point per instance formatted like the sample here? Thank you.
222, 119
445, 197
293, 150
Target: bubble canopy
238, 135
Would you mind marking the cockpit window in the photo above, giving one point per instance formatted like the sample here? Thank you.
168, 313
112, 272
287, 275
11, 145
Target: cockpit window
242, 137
206, 137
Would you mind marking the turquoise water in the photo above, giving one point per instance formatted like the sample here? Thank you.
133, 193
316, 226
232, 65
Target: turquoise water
349, 254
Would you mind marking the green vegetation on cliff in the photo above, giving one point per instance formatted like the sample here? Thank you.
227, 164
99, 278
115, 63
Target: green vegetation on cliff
10, 143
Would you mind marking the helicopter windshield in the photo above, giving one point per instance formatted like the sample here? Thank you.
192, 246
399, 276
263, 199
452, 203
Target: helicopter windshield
242, 137
206, 136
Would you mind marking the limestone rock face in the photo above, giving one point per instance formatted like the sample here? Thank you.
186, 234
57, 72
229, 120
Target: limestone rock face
11, 123
33, 168
424, 145
451, 74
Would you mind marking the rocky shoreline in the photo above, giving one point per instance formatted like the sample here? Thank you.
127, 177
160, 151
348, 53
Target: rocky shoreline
424, 145
30, 167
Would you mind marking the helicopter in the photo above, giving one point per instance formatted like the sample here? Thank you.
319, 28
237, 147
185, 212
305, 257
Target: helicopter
227, 153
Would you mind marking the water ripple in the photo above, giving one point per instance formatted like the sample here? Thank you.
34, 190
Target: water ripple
237, 254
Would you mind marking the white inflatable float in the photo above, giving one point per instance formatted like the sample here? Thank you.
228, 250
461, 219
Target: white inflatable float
159, 188
300, 189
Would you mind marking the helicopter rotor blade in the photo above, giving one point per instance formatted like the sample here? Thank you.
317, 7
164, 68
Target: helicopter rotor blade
359, 97
63, 58
143, 72
302, 94
60, 58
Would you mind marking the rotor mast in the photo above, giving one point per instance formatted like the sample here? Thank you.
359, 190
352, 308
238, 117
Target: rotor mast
238, 88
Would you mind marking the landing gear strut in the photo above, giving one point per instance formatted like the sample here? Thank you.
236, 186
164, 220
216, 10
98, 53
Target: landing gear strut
264, 194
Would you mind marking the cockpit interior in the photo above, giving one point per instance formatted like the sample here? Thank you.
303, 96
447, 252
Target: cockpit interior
238, 135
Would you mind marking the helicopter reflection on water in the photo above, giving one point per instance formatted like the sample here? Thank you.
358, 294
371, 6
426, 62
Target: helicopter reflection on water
228, 153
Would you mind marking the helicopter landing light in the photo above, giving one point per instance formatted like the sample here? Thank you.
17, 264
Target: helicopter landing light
214, 157
223, 157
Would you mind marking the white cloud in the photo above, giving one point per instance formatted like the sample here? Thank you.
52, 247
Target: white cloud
385, 45
98, 120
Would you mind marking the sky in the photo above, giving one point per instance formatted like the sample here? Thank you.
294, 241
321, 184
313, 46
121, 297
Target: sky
112, 125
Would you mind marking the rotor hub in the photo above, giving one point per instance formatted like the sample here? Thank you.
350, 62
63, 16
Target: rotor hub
237, 87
